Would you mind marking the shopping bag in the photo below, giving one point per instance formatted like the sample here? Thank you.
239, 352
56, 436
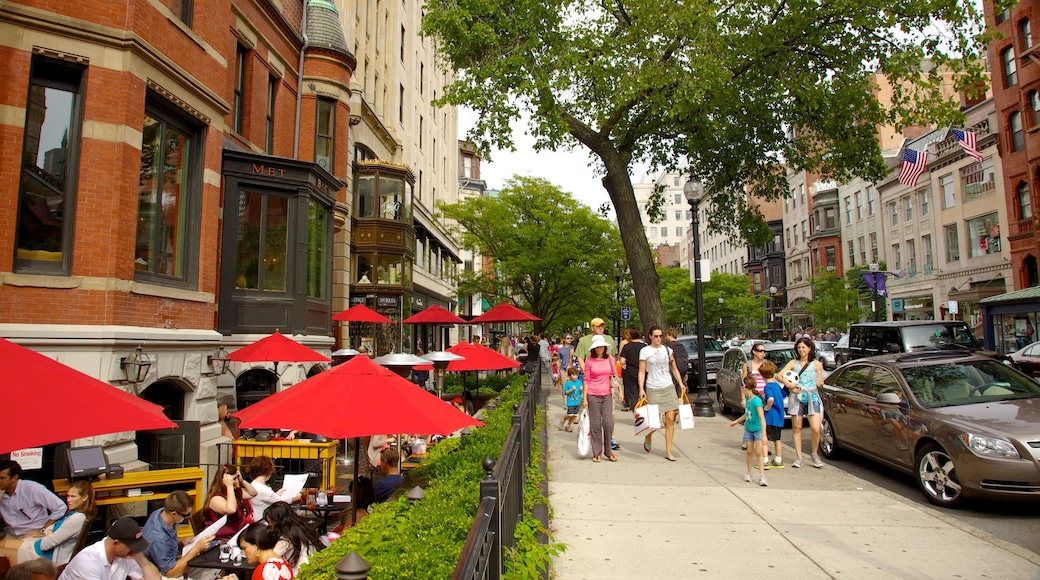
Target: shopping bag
584, 433
646, 418
685, 413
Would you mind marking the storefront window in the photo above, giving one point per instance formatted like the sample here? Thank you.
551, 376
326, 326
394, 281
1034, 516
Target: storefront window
389, 270
984, 235
390, 198
383, 192
366, 196
262, 251
317, 226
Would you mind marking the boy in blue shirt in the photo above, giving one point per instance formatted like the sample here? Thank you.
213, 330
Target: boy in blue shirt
754, 421
572, 394
774, 409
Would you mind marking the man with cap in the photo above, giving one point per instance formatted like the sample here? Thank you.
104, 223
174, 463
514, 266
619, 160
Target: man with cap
597, 328
120, 554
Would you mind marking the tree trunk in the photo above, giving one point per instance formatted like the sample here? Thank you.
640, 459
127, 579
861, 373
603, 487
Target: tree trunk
645, 281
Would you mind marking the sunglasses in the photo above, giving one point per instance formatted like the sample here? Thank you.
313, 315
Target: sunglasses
758, 350
656, 336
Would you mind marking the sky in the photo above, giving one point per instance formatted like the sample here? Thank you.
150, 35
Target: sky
568, 170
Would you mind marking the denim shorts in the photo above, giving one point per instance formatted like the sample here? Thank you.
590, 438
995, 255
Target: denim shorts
573, 409
752, 436
814, 406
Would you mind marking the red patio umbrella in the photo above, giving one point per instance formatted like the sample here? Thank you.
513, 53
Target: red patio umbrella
277, 348
504, 312
361, 313
75, 405
434, 314
479, 358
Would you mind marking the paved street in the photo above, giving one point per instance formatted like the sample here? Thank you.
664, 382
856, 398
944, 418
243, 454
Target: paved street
646, 517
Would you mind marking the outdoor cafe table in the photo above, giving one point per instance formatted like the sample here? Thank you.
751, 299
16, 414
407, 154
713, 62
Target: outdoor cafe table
323, 511
211, 559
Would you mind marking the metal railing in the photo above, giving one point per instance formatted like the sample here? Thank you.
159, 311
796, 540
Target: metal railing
502, 493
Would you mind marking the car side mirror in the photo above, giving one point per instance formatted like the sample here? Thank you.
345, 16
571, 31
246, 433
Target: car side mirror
889, 398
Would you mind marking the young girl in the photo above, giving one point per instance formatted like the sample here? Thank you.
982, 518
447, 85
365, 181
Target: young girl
572, 398
754, 420
557, 382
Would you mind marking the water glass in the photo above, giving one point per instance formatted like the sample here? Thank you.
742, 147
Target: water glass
225, 551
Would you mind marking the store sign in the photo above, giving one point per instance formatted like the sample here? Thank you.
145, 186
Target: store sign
357, 300
387, 301
952, 307
897, 305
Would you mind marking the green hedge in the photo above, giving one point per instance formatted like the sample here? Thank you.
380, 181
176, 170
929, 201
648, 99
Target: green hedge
425, 540
459, 382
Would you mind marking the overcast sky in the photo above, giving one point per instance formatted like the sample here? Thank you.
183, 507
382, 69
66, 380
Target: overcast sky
568, 170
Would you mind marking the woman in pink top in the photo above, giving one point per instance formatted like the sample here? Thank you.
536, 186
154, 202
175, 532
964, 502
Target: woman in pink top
597, 397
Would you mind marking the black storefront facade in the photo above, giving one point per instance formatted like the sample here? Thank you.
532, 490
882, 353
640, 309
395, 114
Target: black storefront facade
1010, 321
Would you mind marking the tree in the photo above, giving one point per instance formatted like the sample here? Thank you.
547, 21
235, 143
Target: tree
552, 255
835, 304
737, 91
738, 303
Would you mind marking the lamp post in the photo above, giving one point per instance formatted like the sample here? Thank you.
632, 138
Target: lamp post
875, 271
702, 406
722, 302
772, 313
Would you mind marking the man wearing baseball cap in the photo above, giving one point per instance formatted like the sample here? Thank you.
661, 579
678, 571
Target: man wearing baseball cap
116, 557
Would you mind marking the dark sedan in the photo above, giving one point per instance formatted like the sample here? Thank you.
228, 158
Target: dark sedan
962, 425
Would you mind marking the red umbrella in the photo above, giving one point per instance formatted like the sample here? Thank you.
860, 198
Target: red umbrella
76, 405
504, 312
277, 348
361, 313
355, 399
479, 358
434, 315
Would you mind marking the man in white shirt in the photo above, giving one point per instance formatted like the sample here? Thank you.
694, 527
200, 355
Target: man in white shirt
118, 556
26, 506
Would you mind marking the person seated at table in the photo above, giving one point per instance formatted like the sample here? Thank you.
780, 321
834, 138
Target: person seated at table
262, 469
363, 495
164, 548
56, 542
227, 496
35, 569
392, 477
297, 540
118, 555
257, 542
26, 506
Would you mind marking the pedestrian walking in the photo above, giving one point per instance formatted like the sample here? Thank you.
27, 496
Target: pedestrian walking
774, 410
598, 398
808, 377
754, 420
597, 328
656, 369
572, 395
630, 368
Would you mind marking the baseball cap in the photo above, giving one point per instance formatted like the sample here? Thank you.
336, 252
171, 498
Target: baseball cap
596, 322
128, 532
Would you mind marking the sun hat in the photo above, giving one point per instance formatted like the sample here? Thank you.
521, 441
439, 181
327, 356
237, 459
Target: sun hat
598, 341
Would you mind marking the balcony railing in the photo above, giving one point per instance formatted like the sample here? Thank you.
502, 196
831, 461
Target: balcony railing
1022, 227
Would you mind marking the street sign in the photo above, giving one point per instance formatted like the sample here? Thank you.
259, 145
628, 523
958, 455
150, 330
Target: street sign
626, 313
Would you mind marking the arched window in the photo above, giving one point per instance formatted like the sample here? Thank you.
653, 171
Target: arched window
1025, 202
1034, 107
1025, 35
1007, 56
1018, 138
254, 385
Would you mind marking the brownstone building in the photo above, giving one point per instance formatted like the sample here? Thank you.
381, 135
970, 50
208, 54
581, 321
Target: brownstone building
172, 177
1015, 63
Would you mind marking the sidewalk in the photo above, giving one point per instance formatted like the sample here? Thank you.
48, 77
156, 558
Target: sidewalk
644, 517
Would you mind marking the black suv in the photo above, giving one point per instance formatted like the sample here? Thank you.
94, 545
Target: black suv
906, 336
713, 358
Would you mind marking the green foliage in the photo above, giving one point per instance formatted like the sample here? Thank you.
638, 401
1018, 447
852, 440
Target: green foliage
855, 279
557, 255
739, 306
835, 304
739, 91
425, 540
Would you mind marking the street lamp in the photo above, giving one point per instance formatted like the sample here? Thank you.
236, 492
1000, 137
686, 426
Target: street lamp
772, 312
875, 271
722, 301
694, 192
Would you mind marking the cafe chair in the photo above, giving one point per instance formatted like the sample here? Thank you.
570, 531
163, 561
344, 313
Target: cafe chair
198, 522
81, 541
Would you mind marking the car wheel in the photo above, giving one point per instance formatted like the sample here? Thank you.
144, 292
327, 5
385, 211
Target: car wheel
723, 407
937, 476
828, 440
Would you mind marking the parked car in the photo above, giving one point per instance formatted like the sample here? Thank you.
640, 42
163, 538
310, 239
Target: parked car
727, 390
841, 350
712, 354
875, 338
1028, 359
825, 353
962, 424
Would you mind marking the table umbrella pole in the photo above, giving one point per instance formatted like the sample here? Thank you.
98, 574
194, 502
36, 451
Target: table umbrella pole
353, 484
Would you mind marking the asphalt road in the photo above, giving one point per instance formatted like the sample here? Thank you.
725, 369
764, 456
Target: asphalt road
1014, 522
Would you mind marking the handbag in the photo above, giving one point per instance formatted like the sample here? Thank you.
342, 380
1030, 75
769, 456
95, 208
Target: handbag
616, 387
797, 389
685, 413
646, 418
584, 433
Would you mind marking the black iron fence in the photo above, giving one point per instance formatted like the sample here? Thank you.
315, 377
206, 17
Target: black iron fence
502, 493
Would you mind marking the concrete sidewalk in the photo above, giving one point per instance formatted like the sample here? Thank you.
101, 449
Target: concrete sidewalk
644, 517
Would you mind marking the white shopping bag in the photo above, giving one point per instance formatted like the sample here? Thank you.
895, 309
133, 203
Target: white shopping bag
646, 418
584, 433
685, 413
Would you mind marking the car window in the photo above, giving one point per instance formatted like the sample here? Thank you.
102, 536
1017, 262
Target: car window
780, 357
711, 344
891, 341
968, 383
884, 381
855, 378
1033, 350
938, 335
733, 360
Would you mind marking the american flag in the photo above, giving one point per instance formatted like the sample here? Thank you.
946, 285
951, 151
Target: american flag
969, 142
914, 164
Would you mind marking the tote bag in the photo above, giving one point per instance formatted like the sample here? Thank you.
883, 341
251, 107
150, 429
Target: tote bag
584, 433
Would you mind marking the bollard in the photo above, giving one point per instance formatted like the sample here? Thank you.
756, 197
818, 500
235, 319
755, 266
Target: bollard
352, 567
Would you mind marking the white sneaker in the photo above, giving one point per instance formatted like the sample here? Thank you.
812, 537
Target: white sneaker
762, 481
816, 461
797, 462
747, 477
